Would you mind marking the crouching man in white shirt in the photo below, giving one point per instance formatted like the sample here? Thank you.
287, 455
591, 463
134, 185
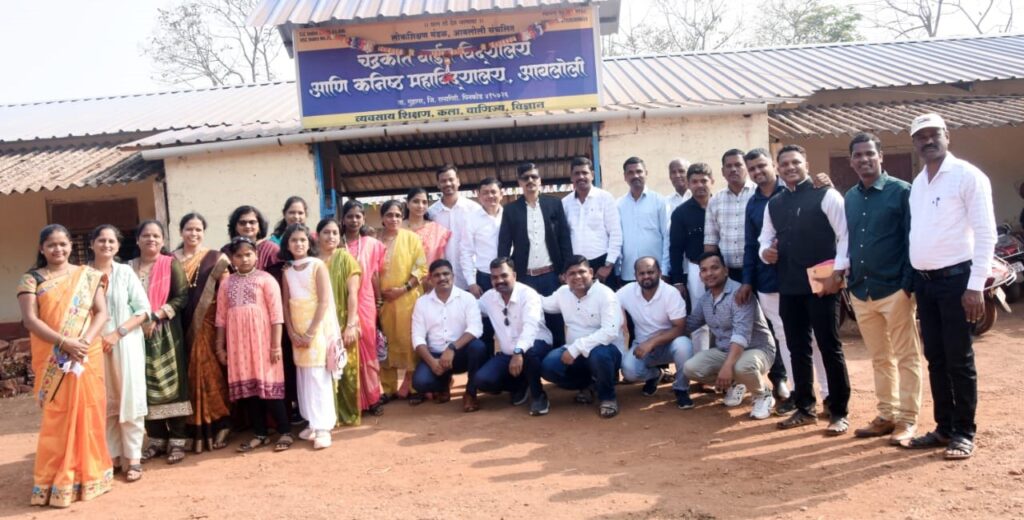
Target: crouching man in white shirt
592, 355
659, 323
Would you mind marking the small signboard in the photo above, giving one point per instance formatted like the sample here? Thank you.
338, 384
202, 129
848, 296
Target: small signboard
453, 66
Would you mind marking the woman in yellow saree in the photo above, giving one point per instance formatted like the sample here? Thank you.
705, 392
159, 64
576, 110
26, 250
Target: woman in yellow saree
64, 308
404, 266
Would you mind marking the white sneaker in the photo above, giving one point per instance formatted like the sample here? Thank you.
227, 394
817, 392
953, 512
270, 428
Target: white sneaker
307, 434
783, 389
322, 440
734, 395
763, 405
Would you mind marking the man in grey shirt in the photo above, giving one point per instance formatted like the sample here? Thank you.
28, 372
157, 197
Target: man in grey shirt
744, 349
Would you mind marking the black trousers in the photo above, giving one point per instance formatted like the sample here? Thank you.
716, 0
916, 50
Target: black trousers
597, 263
546, 284
803, 314
948, 347
258, 410
736, 274
167, 429
484, 281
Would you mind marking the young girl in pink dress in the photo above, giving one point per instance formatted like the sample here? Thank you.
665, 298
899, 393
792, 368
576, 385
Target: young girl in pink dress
249, 325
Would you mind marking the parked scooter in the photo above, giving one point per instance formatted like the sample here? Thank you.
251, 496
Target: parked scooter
1001, 276
1010, 247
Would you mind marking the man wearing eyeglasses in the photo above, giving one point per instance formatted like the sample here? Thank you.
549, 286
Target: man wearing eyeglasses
517, 314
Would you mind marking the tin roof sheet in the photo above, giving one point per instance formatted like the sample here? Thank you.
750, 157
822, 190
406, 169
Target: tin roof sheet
36, 169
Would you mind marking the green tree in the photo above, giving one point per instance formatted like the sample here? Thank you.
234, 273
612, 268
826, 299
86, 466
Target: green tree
799, 22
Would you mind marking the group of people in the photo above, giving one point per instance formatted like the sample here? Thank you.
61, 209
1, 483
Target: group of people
737, 290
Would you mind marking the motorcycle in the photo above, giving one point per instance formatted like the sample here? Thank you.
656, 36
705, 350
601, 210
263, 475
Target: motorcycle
1010, 248
1002, 275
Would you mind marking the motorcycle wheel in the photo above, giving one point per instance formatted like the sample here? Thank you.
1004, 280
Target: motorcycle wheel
1012, 292
988, 318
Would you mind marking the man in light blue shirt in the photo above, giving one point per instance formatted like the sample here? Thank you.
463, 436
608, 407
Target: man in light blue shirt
645, 219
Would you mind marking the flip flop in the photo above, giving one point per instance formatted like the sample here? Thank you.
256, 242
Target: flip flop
929, 440
253, 443
959, 448
608, 409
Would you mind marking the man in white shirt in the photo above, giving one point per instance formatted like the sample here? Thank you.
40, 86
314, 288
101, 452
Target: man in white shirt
952, 235
803, 227
516, 311
677, 176
658, 313
593, 220
592, 355
452, 212
445, 328
479, 243
726, 215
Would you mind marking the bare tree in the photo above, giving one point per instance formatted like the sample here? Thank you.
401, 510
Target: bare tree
977, 12
909, 18
798, 22
207, 40
676, 26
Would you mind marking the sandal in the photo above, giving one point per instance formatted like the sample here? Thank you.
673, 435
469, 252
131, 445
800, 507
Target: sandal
176, 455
799, 418
585, 396
284, 442
221, 439
926, 441
376, 409
838, 427
608, 409
133, 472
154, 450
959, 448
253, 443
416, 399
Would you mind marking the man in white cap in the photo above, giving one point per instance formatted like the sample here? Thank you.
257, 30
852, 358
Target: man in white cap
952, 235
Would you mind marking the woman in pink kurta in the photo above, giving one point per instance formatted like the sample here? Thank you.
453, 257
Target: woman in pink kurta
370, 254
433, 235
249, 322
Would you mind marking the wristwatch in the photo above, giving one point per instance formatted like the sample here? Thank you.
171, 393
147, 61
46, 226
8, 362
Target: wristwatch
517, 351
452, 347
121, 331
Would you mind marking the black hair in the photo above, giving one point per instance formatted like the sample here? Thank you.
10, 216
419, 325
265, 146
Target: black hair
329, 220
657, 264
503, 260
488, 181
408, 196
791, 148
730, 153
281, 224
866, 137
237, 215
365, 231
581, 161
633, 160
388, 204
698, 168
711, 254
238, 243
350, 205
45, 234
95, 233
191, 216
163, 232
444, 168
755, 153
286, 255
573, 261
439, 263
525, 167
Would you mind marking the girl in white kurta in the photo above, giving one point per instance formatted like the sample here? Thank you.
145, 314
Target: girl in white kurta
312, 324
125, 354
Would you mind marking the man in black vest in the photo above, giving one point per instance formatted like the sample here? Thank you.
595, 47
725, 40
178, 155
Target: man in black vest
805, 226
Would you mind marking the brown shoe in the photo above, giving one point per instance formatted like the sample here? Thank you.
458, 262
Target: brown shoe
470, 403
876, 428
902, 433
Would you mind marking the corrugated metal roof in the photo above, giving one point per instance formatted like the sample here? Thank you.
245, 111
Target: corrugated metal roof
894, 117
36, 169
692, 79
300, 12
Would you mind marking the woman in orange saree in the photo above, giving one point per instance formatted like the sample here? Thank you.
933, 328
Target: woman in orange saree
64, 308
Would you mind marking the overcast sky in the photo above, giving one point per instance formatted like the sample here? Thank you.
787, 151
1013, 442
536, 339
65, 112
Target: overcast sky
71, 49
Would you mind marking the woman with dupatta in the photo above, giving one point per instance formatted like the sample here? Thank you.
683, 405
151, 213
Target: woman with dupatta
166, 356
404, 266
370, 254
344, 273
433, 235
205, 268
64, 308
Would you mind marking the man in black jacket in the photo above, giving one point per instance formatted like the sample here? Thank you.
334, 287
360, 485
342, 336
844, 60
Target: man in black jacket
535, 234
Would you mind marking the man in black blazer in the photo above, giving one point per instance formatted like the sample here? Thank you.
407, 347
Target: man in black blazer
535, 234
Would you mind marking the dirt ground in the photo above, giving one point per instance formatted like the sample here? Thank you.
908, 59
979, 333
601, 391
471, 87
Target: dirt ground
653, 461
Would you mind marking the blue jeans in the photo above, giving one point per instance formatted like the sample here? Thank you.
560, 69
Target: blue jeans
677, 352
494, 376
600, 368
467, 359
